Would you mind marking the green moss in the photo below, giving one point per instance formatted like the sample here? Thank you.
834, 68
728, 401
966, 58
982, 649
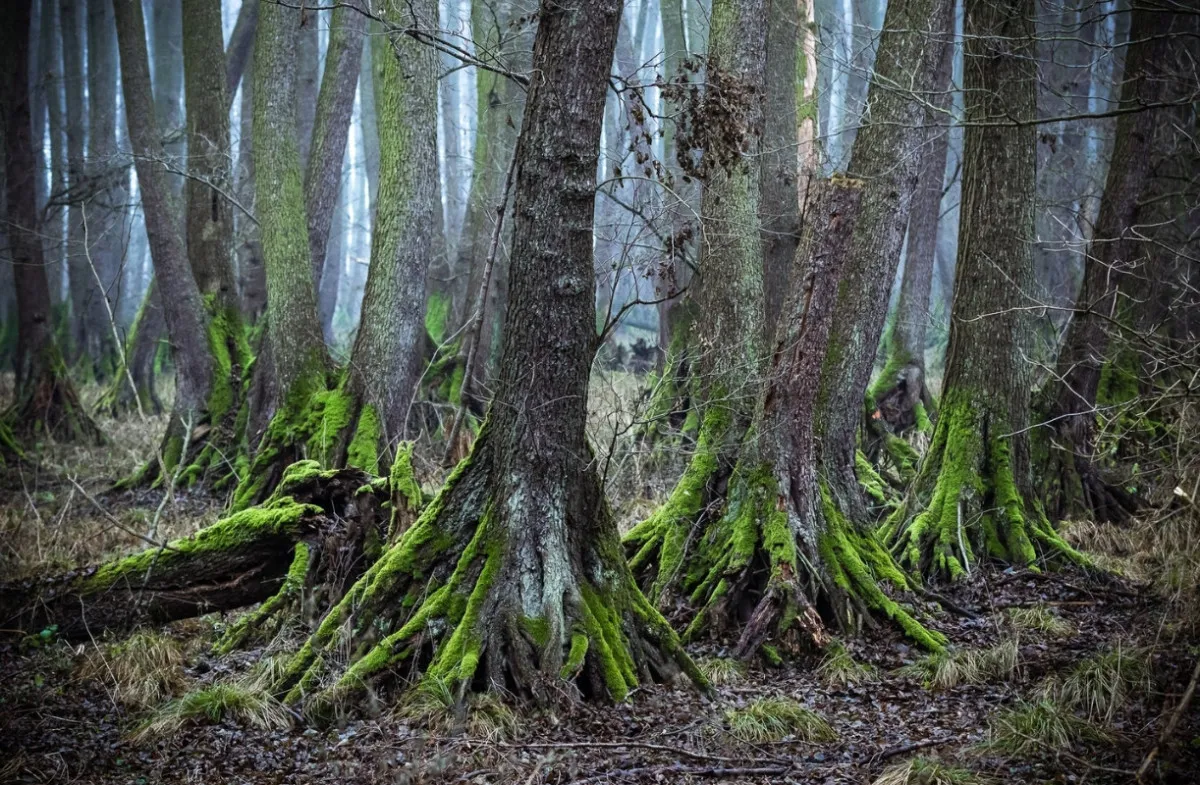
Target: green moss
364, 447
658, 542
924, 424
771, 655
574, 662
437, 311
281, 516
869, 479
538, 630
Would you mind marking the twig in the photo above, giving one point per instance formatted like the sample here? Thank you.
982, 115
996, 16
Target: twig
114, 521
1171, 724
631, 744
892, 752
694, 771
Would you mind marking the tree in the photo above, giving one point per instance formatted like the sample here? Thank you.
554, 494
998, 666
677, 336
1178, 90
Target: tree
1114, 267
973, 498
109, 177
518, 560
200, 354
84, 344
777, 525
331, 128
46, 403
900, 393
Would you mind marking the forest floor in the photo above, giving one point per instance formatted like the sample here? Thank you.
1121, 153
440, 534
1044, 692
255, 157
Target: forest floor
1063, 677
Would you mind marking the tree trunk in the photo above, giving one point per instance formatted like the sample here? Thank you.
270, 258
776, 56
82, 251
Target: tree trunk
307, 80
293, 366
47, 114
201, 386
45, 404
901, 396
241, 45
972, 499
386, 361
780, 214
514, 578
82, 286
166, 42
789, 520
331, 129
134, 387
107, 216
1115, 264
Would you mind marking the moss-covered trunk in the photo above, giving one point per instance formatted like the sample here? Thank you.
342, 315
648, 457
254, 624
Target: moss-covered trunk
786, 533
134, 385
973, 498
513, 578
1116, 264
727, 335
46, 403
331, 129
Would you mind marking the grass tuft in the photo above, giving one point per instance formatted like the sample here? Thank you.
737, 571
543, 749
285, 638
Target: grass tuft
950, 668
432, 703
1100, 685
722, 670
929, 771
1032, 727
1039, 619
774, 719
214, 703
141, 671
838, 667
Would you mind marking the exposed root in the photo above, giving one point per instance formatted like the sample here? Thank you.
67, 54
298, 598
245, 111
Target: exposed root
447, 602
967, 506
48, 406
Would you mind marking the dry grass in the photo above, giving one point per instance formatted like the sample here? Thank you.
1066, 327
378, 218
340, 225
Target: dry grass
47, 521
1100, 685
929, 771
221, 701
775, 719
721, 670
1038, 727
1039, 619
946, 669
432, 704
838, 667
140, 671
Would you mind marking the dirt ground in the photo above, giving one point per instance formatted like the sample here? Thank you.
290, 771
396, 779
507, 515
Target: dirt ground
63, 722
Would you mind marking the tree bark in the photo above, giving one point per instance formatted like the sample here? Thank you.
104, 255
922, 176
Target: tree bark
183, 311
385, 363
780, 200
332, 127
45, 404
83, 345
972, 499
520, 549
241, 45
107, 218
47, 114
166, 42
1116, 263
901, 397
307, 80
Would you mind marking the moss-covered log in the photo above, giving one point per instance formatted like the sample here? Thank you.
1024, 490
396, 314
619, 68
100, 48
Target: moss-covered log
973, 499
334, 520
